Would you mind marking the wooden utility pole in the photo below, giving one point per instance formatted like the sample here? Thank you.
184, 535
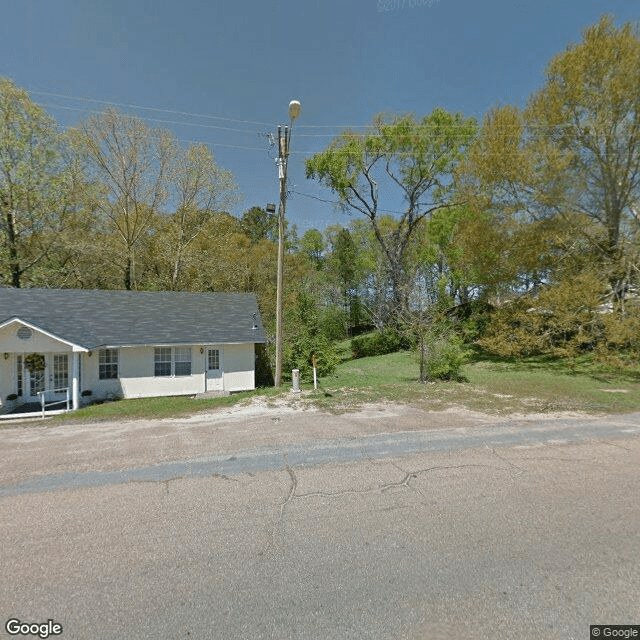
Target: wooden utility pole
282, 161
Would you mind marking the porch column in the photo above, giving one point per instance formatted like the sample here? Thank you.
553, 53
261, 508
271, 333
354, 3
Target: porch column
75, 383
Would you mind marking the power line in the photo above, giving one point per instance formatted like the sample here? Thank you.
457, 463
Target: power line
193, 114
146, 118
137, 106
371, 131
339, 204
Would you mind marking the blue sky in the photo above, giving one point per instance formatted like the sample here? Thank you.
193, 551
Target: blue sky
223, 73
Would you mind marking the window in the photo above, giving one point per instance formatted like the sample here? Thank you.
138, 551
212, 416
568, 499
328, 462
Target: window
170, 361
108, 364
182, 361
19, 375
60, 372
213, 360
162, 361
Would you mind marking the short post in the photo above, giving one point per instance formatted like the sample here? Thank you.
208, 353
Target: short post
295, 378
41, 394
314, 362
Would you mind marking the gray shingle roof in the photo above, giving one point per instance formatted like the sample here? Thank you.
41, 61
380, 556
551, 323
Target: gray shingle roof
92, 318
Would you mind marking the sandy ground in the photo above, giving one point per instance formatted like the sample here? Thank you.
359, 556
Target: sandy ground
30, 449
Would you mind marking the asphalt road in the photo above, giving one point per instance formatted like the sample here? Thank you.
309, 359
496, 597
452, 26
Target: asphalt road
513, 531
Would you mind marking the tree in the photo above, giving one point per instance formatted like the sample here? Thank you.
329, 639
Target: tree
40, 185
344, 262
574, 153
131, 165
258, 225
201, 188
589, 110
416, 160
312, 246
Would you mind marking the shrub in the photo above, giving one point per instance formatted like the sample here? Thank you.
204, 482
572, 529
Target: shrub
377, 344
299, 352
441, 357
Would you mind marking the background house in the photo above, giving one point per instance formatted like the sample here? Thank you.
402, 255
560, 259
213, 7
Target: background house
129, 344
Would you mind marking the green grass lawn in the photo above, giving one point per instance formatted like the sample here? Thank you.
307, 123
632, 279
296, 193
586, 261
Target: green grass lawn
492, 385
163, 407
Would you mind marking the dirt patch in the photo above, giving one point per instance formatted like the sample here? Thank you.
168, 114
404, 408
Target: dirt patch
53, 448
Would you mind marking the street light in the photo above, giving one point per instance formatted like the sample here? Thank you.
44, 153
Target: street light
282, 160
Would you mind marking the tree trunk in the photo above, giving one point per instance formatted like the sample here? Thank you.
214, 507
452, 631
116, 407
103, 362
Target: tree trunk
14, 263
129, 276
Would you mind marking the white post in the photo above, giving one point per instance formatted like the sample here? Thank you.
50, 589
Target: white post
315, 379
41, 394
75, 384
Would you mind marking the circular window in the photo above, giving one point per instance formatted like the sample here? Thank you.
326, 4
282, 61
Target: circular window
24, 333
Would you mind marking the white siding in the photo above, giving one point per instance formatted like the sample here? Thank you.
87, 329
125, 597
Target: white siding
136, 371
136, 377
37, 343
239, 367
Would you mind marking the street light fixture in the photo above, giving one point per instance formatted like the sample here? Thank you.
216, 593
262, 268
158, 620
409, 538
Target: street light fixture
282, 160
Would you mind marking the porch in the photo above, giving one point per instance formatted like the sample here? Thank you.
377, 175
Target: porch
42, 409
39, 383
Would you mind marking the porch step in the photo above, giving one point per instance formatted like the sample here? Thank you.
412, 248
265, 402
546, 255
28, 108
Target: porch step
212, 394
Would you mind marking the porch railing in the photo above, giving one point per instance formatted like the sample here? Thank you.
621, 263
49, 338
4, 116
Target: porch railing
47, 405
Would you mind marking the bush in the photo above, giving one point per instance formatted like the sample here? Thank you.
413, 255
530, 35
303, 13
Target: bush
442, 357
377, 344
299, 352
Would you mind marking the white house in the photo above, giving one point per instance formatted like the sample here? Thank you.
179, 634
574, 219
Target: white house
131, 344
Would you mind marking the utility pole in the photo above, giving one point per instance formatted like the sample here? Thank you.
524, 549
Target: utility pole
282, 160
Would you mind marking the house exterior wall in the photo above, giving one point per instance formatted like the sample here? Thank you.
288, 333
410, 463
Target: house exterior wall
136, 377
239, 367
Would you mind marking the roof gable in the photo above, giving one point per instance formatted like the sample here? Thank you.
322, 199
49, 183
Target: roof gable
21, 333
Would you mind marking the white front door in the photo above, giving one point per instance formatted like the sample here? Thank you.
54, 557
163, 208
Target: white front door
54, 378
214, 369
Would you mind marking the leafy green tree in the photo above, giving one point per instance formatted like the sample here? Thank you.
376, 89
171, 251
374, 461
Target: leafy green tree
259, 225
313, 246
306, 337
399, 159
344, 263
573, 154
589, 114
41, 187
